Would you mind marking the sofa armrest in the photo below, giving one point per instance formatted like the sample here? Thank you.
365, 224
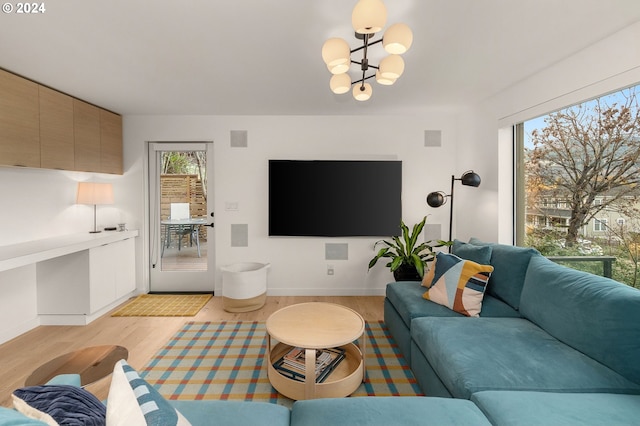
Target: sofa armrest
65, 379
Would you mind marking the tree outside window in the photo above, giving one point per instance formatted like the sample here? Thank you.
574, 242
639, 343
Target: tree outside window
582, 165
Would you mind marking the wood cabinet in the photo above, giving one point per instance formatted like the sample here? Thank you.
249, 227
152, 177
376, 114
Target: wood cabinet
56, 130
41, 127
110, 142
19, 121
86, 135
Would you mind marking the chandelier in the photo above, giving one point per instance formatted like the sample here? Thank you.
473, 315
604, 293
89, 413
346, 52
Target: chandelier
368, 17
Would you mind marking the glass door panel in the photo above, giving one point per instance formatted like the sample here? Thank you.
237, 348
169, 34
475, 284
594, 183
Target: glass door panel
181, 217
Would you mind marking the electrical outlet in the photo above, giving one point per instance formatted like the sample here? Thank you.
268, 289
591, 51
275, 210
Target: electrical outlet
330, 270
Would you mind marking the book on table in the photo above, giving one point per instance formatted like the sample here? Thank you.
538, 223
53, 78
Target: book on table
293, 363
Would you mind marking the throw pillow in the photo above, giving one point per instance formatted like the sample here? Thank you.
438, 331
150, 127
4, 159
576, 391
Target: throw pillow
60, 404
478, 253
458, 284
134, 402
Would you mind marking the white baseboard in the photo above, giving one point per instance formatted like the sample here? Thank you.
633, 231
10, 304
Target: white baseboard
325, 292
80, 319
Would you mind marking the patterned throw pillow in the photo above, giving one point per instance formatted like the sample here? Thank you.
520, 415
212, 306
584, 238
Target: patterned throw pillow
457, 283
134, 402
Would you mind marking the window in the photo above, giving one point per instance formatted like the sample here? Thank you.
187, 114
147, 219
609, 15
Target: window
600, 224
579, 169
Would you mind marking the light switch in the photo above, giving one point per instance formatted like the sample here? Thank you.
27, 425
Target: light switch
231, 206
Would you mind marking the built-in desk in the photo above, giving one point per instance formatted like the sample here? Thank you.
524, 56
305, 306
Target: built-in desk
65, 280
21, 254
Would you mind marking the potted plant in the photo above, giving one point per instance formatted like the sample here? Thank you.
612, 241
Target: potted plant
407, 258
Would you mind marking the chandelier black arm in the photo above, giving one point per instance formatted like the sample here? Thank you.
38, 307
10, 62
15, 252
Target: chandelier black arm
365, 45
363, 79
369, 65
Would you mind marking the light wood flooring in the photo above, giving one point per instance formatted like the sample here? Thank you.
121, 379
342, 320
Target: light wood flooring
142, 336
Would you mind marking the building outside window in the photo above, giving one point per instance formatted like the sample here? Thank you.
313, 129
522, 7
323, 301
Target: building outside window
600, 225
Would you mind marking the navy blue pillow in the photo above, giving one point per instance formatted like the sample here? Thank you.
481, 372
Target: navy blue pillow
68, 405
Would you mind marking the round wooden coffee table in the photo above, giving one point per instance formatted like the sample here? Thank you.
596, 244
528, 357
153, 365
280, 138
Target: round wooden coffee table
317, 325
92, 364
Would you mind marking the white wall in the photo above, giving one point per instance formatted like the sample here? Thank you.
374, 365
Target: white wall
485, 130
40, 203
298, 266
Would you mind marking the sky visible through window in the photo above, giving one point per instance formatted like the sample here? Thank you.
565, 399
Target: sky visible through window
610, 99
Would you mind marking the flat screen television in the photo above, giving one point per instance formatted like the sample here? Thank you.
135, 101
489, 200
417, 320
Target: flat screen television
335, 198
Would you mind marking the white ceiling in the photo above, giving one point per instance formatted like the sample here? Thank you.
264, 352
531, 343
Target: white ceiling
263, 57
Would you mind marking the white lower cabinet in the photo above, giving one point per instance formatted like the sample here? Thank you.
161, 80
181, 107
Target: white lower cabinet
87, 281
126, 270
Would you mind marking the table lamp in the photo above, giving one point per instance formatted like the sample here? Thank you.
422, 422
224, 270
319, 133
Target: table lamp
94, 193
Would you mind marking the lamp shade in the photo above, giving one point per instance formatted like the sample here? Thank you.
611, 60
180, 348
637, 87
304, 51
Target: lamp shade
362, 92
369, 16
94, 193
470, 178
384, 81
339, 68
397, 39
335, 51
340, 83
436, 199
392, 66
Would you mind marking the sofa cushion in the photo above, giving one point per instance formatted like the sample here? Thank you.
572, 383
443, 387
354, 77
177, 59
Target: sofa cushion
510, 263
479, 254
60, 404
232, 413
10, 417
457, 284
597, 316
550, 408
406, 298
474, 354
134, 402
384, 411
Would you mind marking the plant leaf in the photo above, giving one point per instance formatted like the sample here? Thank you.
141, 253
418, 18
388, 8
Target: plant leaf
417, 229
419, 265
395, 263
380, 254
399, 247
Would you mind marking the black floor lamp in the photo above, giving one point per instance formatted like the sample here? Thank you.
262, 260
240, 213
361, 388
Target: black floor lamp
436, 199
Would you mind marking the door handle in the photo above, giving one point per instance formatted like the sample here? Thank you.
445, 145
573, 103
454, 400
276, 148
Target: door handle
210, 224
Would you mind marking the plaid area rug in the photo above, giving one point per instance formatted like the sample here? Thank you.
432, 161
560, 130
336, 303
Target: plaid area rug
226, 361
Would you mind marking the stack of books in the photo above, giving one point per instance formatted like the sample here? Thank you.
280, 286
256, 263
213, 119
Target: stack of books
292, 363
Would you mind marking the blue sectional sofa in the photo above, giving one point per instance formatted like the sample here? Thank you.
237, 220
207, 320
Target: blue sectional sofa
123, 409
552, 346
547, 336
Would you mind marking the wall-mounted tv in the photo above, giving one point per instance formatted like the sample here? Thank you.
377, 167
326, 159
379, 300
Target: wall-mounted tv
335, 198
